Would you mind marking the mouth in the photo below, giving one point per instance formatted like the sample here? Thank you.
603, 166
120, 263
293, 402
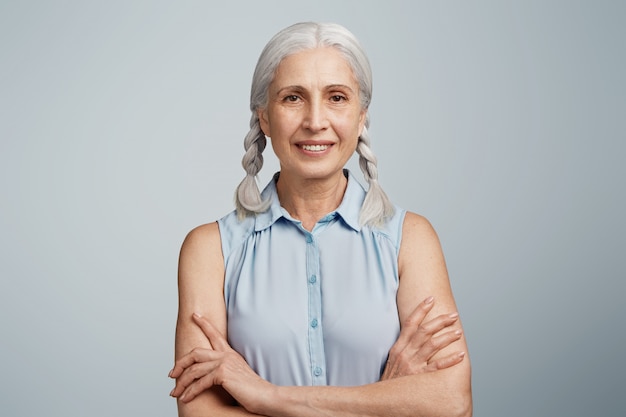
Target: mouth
314, 148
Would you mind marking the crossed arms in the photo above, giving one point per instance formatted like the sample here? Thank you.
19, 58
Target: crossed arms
428, 372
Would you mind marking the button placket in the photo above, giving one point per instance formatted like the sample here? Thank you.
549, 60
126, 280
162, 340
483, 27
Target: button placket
316, 338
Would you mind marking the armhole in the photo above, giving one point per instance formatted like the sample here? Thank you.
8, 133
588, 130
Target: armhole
392, 230
233, 232
223, 242
400, 228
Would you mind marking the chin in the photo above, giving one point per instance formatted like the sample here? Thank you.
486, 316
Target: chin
316, 173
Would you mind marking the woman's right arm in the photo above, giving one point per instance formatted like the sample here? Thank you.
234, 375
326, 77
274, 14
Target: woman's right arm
201, 290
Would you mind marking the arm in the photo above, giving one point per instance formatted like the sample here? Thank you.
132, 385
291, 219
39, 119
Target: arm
419, 341
445, 392
423, 272
201, 289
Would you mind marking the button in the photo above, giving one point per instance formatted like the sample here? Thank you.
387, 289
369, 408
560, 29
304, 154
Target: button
314, 323
309, 239
317, 371
312, 279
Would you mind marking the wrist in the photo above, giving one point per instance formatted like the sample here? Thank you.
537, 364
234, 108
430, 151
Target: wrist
269, 397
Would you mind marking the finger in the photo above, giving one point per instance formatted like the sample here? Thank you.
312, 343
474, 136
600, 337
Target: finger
435, 344
427, 330
217, 340
191, 374
407, 332
196, 355
414, 320
445, 362
417, 315
399, 359
389, 370
197, 387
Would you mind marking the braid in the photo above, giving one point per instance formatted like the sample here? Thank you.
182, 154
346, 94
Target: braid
248, 197
376, 207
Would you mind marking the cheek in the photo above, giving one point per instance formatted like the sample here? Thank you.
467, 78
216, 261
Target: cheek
352, 126
283, 123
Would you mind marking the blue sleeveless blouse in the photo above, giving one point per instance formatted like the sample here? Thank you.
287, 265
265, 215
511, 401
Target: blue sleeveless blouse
312, 308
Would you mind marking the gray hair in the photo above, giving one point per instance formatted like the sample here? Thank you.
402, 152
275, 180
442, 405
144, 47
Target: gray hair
376, 208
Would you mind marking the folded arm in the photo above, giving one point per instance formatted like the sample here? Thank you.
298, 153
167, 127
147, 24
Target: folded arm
446, 392
217, 367
200, 290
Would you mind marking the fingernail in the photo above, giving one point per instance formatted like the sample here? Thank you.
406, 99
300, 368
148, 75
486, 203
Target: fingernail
453, 315
170, 373
172, 392
196, 315
458, 332
461, 354
429, 300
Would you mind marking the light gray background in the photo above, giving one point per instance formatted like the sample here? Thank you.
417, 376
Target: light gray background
121, 129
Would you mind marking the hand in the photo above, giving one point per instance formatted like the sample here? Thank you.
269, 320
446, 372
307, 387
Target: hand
419, 342
201, 369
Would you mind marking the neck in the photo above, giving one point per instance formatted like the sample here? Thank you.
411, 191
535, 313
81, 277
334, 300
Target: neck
308, 200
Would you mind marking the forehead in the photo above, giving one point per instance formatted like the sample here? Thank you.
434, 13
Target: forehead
323, 65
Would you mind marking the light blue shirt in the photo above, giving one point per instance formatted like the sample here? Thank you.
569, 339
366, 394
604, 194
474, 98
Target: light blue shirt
312, 308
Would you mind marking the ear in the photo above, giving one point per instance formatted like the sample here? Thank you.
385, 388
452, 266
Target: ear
264, 121
362, 119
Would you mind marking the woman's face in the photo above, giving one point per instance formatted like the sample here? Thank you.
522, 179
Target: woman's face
313, 115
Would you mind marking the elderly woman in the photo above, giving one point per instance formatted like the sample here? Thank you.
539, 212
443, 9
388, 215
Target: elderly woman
315, 297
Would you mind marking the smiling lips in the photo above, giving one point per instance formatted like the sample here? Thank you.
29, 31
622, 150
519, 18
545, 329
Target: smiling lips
314, 148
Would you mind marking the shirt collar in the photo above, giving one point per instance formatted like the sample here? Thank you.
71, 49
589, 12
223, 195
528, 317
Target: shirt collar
349, 208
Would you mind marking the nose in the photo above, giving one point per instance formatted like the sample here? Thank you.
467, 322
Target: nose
316, 118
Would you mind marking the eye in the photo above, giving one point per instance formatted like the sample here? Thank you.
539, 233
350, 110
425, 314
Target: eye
292, 98
338, 98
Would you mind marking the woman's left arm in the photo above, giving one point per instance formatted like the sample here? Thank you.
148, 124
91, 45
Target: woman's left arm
445, 392
423, 272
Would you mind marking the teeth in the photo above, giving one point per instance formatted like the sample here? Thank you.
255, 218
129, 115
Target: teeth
315, 148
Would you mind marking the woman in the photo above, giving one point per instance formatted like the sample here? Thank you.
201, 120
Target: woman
315, 297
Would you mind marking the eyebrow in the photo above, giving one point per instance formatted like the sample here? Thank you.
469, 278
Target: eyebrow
328, 87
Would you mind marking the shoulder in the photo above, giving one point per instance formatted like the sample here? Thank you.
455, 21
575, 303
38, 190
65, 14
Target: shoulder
201, 274
414, 220
201, 250
422, 267
202, 237
417, 230
420, 248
